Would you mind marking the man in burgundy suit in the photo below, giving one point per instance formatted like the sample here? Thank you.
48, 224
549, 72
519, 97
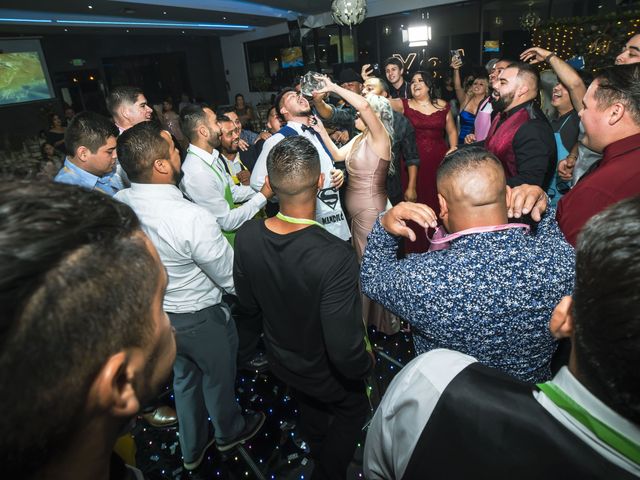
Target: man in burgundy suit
520, 135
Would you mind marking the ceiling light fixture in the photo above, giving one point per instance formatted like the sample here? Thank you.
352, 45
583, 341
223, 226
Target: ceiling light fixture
349, 12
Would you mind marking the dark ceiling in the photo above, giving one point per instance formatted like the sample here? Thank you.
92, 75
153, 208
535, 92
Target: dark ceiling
162, 10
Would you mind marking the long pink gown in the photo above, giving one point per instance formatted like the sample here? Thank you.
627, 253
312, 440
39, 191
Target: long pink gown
431, 143
366, 197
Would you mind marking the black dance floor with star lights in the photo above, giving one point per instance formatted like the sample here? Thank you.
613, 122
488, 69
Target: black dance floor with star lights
277, 451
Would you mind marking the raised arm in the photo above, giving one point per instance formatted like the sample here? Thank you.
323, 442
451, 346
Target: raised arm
338, 154
379, 135
565, 73
461, 95
323, 108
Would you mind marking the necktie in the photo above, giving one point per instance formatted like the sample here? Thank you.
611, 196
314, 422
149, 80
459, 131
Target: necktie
306, 128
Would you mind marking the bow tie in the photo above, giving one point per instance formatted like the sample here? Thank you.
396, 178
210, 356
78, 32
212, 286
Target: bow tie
306, 128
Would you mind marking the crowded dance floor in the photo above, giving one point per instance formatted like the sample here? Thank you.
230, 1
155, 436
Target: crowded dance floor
336, 239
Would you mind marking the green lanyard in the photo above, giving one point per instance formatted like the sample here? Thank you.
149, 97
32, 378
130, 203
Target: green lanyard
228, 196
297, 221
621, 444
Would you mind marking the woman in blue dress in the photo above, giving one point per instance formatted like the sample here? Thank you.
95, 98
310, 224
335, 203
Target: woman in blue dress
469, 100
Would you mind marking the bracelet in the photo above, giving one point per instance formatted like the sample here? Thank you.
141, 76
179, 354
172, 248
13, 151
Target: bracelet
572, 155
548, 57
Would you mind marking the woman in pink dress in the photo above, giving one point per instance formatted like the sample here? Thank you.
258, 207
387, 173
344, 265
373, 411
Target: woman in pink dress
368, 159
432, 120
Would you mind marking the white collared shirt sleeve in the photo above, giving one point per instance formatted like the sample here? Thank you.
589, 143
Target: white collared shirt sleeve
212, 253
259, 171
405, 410
204, 187
242, 193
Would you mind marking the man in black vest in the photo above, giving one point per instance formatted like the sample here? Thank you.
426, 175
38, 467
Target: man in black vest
447, 416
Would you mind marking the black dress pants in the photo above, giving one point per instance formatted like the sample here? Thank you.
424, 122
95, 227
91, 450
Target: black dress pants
333, 428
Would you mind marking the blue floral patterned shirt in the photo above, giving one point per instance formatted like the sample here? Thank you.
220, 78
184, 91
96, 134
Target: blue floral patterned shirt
490, 295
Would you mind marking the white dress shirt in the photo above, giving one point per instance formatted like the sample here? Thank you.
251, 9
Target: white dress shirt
328, 211
198, 259
205, 188
413, 394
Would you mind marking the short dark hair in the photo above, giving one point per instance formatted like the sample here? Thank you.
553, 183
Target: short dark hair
76, 286
278, 101
224, 118
526, 70
191, 116
225, 109
120, 95
393, 61
90, 130
465, 158
607, 307
293, 165
138, 147
620, 83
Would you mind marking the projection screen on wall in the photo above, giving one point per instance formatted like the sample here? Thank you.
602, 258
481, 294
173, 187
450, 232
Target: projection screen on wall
23, 72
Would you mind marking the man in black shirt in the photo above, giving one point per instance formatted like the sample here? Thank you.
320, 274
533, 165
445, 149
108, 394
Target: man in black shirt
304, 282
394, 71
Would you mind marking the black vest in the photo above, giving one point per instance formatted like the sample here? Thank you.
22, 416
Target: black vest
489, 425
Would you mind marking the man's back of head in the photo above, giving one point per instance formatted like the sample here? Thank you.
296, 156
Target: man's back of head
77, 282
139, 147
471, 188
293, 167
606, 307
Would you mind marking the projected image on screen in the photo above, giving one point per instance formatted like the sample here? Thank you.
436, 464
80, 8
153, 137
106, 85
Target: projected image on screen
292, 57
22, 78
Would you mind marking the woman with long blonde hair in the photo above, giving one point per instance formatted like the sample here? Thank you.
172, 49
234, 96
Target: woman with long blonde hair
368, 160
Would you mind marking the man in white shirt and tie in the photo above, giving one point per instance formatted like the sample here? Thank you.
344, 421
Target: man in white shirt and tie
206, 181
199, 265
295, 110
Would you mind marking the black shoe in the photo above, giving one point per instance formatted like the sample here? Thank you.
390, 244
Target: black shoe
196, 463
253, 423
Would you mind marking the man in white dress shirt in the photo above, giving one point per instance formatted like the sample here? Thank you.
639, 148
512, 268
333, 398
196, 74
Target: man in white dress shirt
199, 264
295, 110
206, 181
447, 416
